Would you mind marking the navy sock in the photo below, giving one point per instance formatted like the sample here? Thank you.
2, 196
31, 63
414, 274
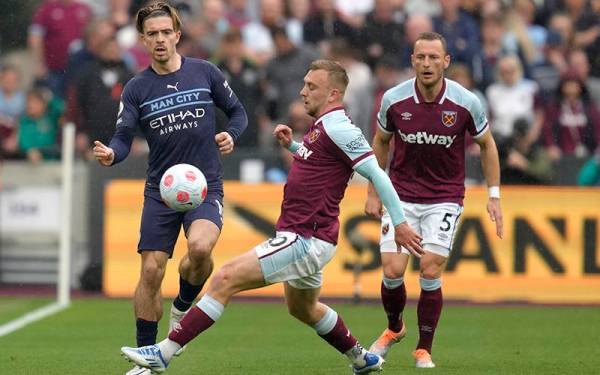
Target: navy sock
146, 332
187, 295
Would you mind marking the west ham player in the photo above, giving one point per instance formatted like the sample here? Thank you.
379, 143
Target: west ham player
173, 104
429, 117
307, 229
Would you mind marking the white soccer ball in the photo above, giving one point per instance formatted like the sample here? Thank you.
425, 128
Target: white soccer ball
183, 187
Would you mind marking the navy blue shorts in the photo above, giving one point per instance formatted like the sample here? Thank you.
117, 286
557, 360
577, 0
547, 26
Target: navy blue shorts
161, 225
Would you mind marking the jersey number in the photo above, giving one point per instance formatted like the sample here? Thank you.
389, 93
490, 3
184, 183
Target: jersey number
446, 222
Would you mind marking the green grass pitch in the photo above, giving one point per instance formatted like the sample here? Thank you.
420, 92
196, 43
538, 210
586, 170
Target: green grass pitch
261, 338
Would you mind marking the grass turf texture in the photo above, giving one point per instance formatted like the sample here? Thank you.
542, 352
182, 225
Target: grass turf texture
261, 338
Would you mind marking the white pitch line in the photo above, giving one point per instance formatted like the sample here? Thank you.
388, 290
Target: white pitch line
31, 317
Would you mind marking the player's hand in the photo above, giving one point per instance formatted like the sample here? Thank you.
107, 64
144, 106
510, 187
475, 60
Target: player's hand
283, 134
373, 206
225, 143
495, 212
406, 237
104, 154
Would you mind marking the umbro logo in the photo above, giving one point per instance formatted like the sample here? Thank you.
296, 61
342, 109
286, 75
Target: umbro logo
406, 115
174, 87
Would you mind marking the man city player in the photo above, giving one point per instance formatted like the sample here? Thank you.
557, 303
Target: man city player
173, 104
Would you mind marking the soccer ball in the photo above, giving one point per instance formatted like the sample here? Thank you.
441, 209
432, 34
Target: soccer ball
183, 187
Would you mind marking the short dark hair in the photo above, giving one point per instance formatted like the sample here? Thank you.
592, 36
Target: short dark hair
430, 35
335, 72
156, 9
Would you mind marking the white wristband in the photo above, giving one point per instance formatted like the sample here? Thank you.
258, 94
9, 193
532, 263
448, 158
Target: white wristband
494, 192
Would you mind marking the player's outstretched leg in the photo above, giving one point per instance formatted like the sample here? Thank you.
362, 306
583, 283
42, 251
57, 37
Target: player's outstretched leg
198, 319
332, 329
393, 297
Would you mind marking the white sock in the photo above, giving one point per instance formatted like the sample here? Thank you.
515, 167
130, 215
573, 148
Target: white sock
168, 348
356, 355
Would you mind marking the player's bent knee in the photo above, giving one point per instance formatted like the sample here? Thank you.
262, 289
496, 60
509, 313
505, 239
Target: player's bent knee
199, 249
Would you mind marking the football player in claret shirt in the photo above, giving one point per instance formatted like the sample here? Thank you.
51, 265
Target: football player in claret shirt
429, 117
307, 229
173, 103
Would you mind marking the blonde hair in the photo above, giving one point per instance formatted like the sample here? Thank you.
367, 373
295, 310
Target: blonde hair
335, 72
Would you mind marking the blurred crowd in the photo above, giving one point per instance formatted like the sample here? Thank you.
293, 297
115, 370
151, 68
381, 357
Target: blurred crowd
535, 64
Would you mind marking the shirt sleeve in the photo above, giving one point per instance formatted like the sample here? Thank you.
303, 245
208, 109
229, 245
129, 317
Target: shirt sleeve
382, 115
127, 121
480, 121
227, 101
351, 142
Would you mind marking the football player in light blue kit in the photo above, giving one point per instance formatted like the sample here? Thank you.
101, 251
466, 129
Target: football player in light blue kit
173, 103
307, 229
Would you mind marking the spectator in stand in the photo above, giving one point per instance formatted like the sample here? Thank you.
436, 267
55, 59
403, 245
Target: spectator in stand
428, 7
521, 162
493, 47
460, 30
572, 125
325, 24
285, 73
257, 34
547, 74
213, 23
12, 106
579, 64
586, 23
589, 174
55, 26
97, 93
245, 78
383, 32
359, 93
354, 12
38, 127
387, 74
563, 25
593, 50
236, 13
536, 34
516, 24
95, 34
296, 12
512, 97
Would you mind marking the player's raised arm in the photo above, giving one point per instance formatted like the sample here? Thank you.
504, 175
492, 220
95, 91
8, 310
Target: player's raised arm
284, 136
404, 235
491, 170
